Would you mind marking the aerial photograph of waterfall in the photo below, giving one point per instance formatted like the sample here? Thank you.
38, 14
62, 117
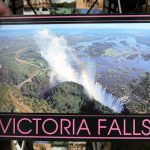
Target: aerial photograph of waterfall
75, 68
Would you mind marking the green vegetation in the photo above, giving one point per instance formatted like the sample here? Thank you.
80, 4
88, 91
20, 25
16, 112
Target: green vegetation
34, 88
10, 97
141, 89
67, 97
5, 103
39, 105
110, 52
10, 62
70, 97
13, 71
141, 86
62, 8
64, 5
17, 67
61, 11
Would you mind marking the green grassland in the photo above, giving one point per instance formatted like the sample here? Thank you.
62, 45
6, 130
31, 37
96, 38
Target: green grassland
12, 73
7, 101
15, 72
68, 97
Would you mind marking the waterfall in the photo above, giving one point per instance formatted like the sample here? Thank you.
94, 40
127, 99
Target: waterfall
55, 50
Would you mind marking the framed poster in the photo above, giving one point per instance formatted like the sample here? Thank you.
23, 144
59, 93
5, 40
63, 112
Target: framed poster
41, 7
66, 78
62, 7
83, 6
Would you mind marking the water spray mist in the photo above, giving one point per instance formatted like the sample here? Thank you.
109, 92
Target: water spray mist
55, 50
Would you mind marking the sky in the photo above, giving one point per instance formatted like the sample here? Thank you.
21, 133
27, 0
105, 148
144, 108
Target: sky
144, 26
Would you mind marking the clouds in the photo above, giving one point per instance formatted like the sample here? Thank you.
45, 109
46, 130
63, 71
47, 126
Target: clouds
59, 55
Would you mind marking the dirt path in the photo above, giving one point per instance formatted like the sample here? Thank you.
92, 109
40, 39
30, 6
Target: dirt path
17, 56
22, 108
32, 75
28, 80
